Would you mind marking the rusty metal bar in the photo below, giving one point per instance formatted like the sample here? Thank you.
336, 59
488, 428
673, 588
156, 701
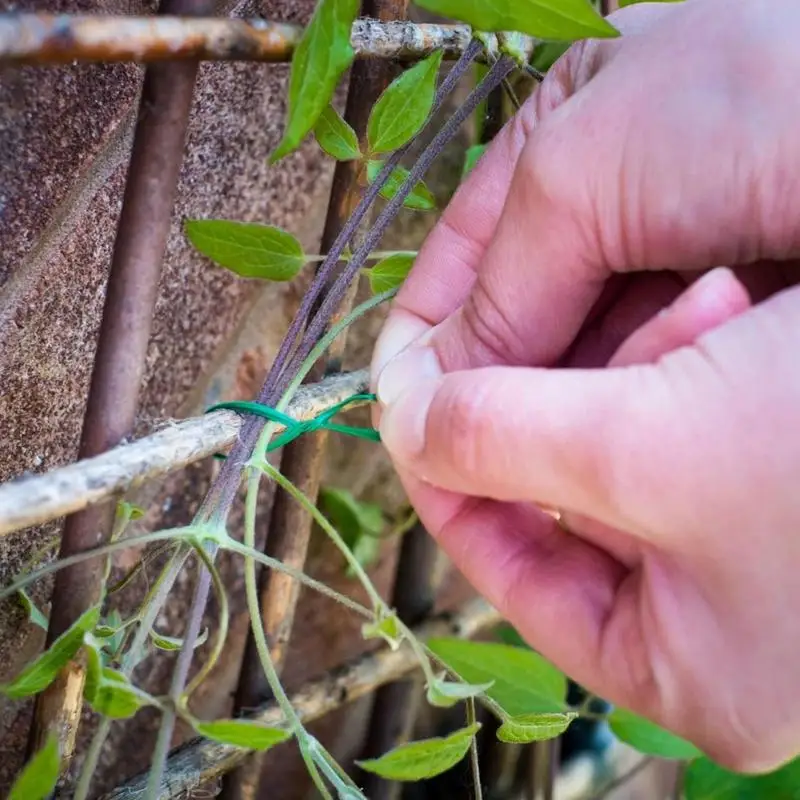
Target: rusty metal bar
34, 499
201, 761
122, 345
289, 525
63, 38
394, 711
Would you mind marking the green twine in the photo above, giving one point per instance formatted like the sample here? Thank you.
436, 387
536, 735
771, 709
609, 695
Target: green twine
296, 428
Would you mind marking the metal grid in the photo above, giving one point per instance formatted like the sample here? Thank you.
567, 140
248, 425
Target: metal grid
173, 43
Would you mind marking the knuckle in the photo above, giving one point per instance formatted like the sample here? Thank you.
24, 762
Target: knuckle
461, 430
491, 336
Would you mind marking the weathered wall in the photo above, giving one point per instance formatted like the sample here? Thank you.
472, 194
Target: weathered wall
65, 136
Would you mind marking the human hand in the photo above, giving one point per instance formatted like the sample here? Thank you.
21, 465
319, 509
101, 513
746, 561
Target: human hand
639, 164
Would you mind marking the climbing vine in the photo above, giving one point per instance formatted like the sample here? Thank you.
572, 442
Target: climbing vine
526, 693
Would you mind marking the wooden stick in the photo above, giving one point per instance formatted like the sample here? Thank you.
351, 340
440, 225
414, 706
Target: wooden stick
201, 761
34, 499
63, 38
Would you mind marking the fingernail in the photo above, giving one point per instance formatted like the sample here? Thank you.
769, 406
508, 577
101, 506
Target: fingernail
406, 370
709, 287
401, 331
404, 422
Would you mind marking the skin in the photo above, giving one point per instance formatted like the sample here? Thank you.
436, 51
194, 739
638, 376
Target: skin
605, 321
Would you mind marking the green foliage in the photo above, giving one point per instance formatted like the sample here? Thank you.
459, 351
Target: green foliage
359, 524
706, 781
507, 634
172, 643
418, 761
242, 733
445, 694
472, 157
649, 738
547, 53
39, 776
41, 672
419, 199
386, 627
248, 249
523, 682
403, 109
321, 57
390, 272
534, 727
35, 616
544, 19
336, 137
106, 690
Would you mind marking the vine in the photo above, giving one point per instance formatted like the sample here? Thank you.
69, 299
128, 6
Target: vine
524, 692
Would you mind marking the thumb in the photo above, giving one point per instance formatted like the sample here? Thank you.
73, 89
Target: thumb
616, 444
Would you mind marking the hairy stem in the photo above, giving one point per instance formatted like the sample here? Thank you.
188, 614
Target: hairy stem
494, 78
333, 534
347, 233
474, 761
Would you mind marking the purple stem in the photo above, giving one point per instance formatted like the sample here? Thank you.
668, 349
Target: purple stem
494, 78
349, 230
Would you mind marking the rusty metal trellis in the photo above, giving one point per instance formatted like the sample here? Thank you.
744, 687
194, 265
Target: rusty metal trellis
180, 36
122, 346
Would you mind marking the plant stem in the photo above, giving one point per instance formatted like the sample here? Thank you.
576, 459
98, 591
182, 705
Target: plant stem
257, 625
333, 534
499, 71
224, 621
472, 719
250, 552
270, 389
159, 536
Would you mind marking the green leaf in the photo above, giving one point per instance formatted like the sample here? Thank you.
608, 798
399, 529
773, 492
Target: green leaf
445, 694
114, 639
420, 760
249, 250
242, 733
509, 635
390, 272
386, 628
420, 198
336, 137
171, 643
349, 516
547, 53
366, 550
649, 738
544, 19
524, 683
129, 511
40, 775
322, 55
534, 727
404, 106
471, 158
35, 616
41, 672
706, 781
116, 697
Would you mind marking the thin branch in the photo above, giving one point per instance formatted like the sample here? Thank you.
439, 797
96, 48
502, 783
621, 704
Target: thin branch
621, 780
200, 761
34, 499
62, 38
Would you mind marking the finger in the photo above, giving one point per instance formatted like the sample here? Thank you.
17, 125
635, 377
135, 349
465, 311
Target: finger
446, 267
709, 302
604, 443
529, 569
